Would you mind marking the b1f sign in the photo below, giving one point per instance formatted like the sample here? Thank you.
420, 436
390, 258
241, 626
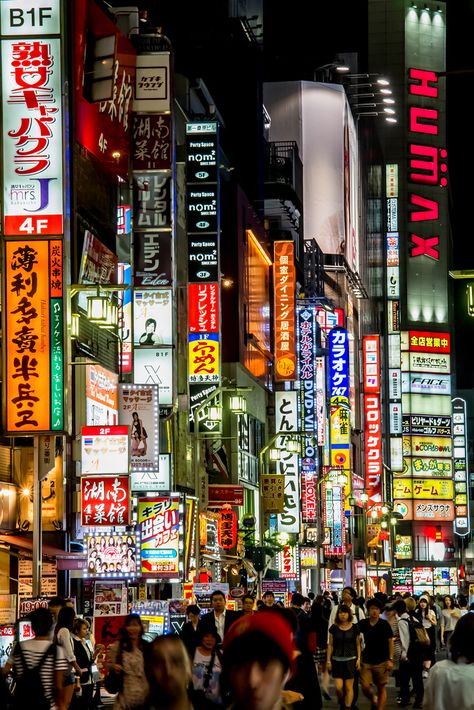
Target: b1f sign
23, 17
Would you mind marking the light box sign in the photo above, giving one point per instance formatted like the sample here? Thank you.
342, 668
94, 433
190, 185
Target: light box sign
105, 449
288, 562
33, 341
427, 467
426, 383
371, 363
152, 141
111, 555
203, 357
309, 558
427, 198
433, 510
427, 342
306, 368
309, 487
284, 283
403, 547
160, 522
101, 396
201, 152
17, 19
152, 83
152, 200
203, 307
439, 446
427, 425
460, 460
158, 480
426, 362
139, 409
105, 501
334, 521
286, 421
154, 366
152, 317
125, 318
152, 259
373, 447
340, 434
423, 488
32, 136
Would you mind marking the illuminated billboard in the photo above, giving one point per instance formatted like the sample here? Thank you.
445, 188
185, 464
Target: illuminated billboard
139, 410
160, 522
203, 307
284, 284
152, 317
154, 366
101, 396
460, 461
105, 501
111, 555
104, 449
286, 421
340, 431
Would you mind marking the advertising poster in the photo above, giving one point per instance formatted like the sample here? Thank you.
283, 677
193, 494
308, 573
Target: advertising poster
153, 480
110, 599
49, 579
159, 521
105, 449
7, 642
125, 318
155, 367
106, 632
139, 409
101, 396
105, 500
52, 499
111, 556
152, 317
152, 259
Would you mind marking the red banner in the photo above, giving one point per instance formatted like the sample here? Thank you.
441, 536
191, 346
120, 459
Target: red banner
105, 500
429, 342
227, 529
373, 447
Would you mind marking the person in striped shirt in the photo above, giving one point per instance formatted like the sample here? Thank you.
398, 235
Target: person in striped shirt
55, 664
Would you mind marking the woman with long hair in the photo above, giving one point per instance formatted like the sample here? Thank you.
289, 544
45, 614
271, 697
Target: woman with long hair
343, 654
169, 671
451, 681
449, 618
427, 617
63, 637
128, 659
85, 655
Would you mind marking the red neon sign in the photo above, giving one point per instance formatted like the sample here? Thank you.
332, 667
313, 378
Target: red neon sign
227, 529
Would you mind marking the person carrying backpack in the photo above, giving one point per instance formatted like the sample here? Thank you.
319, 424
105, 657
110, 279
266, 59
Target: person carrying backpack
412, 655
39, 666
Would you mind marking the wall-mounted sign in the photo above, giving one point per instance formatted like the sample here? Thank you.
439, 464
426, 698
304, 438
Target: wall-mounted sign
152, 258
105, 501
110, 555
227, 529
288, 562
334, 521
101, 396
371, 363
424, 383
440, 446
152, 200
427, 425
152, 83
426, 362
32, 146
309, 557
203, 258
33, 338
139, 410
373, 447
151, 141
202, 206
125, 318
286, 421
201, 153
225, 495
426, 342
272, 488
203, 307
154, 366
423, 488
306, 369
152, 317
105, 449
309, 487
460, 460
403, 547
433, 510
284, 283
203, 357
429, 467
158, 480
161, 537
340, 432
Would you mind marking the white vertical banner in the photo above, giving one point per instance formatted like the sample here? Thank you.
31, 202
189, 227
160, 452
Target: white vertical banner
286, 421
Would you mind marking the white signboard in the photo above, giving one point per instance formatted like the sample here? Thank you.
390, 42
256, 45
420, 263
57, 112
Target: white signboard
152, 82
105, 449
30, 17
32, 137
425, 383
139, 409
152, 317
153, 480
426, 362
286, 420
155, 367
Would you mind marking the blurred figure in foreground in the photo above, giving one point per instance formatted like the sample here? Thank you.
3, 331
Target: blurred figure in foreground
451, 682
169, 674
259, 658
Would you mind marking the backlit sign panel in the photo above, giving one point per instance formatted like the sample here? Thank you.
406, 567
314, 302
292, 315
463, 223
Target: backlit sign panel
203, 307
433, 510
111, 555
152, 83
160, 522
426, 342
286, 421
373, 447
105, 501
460, 461
288, 562
429, 383
334, 521
284, 283
429, 362
104, 449
340, 434
139, 409
154, 366
427, 425
32, 143
29, 17
423, 488
371, 363
203, 357
33, 341
151, 141
152, 259
306, 351
152, 317
152, 201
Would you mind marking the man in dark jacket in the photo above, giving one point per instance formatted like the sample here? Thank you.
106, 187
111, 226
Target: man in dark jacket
306, 679
219, 620
189, 632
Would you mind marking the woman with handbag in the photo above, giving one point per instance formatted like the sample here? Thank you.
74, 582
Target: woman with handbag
85, 657
126, 675
427, 617
63, 637
206, 669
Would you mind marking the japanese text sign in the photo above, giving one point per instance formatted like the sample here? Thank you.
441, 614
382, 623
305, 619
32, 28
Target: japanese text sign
203, 308
204, 361
284, 282
105, 501
159, 521
307, 405
373, 447
371, 363
105, 449
334, 520
32, 130
286, 421
151, 142
339, 364
34, 336
428, 342
227, 529
288, 562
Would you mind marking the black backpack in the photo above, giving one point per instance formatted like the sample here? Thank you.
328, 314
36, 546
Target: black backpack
29, 691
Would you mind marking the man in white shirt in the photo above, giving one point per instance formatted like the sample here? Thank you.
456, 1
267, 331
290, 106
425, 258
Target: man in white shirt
219, 619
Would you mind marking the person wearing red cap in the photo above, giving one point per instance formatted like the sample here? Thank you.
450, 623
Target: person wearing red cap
259, 658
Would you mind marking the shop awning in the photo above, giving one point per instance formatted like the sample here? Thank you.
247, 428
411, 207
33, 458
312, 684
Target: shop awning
66, 560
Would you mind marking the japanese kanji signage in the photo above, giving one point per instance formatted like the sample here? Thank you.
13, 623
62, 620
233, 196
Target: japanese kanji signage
371, 363
340, 431
423, 488
204, 357
105, 449
334, 520
272, 491
284, 282
34, 337
307, 406
105, 501
161, 537
373, 447
151, 142
427, 342
32, 130
461, 475
203, 307
433, 510
288, 562
227, 529
286, 421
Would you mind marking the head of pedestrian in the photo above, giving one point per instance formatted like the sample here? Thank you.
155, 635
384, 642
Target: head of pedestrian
307, 604
462, 648
247, 604
218, 602
259, 658
348, 595
343, 614
374, 608
169, 672
192, 613
54, 605
297, 600
41, 622
268, 599
399, 606
410, 604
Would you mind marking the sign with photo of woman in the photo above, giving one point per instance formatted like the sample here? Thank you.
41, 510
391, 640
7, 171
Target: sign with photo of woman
138, 408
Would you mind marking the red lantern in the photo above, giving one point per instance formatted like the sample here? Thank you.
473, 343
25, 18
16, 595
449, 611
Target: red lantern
227, 529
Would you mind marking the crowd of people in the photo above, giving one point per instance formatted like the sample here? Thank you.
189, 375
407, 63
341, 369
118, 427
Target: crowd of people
264, 657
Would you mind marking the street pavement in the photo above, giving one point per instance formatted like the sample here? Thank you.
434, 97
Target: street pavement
362, 702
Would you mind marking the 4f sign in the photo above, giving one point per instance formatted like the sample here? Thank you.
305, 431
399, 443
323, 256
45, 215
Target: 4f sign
20, 17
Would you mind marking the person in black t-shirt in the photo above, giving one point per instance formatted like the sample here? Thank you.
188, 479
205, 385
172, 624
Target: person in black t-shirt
343, 654
377, 656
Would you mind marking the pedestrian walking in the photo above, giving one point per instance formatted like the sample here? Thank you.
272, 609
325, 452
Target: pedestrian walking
169, 674
451, 682
427, 617
377, 654
219, 619
449, 618
189, 632
344, 654
85, 657
320, 613
39, 666
127, 661
64, 638
411, 663
206, 669
305, 680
